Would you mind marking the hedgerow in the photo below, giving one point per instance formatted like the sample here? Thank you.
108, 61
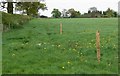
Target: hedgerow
12, 21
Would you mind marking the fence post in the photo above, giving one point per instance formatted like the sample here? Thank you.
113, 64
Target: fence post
98, 45
60, 28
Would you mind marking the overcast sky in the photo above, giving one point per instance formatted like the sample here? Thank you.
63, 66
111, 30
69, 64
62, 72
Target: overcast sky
79, 5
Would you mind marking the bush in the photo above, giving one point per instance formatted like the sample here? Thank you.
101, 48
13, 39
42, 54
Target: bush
12, 21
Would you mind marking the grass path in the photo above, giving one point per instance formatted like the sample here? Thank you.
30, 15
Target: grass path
39, 48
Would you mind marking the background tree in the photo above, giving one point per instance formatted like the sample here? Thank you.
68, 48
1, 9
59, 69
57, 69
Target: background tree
93, 13
93, 9
104, 13
109, 12
100, 12
115, 14
89, 11
73, 14
30, 8
64, 13
9, 5
56, 13
78, 14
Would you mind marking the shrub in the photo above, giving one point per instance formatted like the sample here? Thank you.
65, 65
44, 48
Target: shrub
12, 21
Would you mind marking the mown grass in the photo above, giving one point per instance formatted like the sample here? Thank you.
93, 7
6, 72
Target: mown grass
39, 48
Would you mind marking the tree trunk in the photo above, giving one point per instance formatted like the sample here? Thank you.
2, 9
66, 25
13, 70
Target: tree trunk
10, 7
27, 11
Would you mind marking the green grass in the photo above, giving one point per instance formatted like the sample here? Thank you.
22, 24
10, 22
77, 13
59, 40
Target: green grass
39, 48
0, 53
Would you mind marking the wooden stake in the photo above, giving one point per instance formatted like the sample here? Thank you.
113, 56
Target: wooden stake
98, 45
60, 28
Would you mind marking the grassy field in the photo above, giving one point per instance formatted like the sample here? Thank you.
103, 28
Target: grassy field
0, 53
39, 48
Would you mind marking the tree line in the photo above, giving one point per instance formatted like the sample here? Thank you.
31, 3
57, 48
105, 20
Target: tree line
92, 13
32, 9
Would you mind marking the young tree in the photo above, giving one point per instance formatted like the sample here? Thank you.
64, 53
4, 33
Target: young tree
56, 13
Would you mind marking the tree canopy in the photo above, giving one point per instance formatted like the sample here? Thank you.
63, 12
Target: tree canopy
56, 13
73, 13
30, 8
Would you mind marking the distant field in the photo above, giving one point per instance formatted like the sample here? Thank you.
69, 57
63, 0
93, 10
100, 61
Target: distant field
38, 48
